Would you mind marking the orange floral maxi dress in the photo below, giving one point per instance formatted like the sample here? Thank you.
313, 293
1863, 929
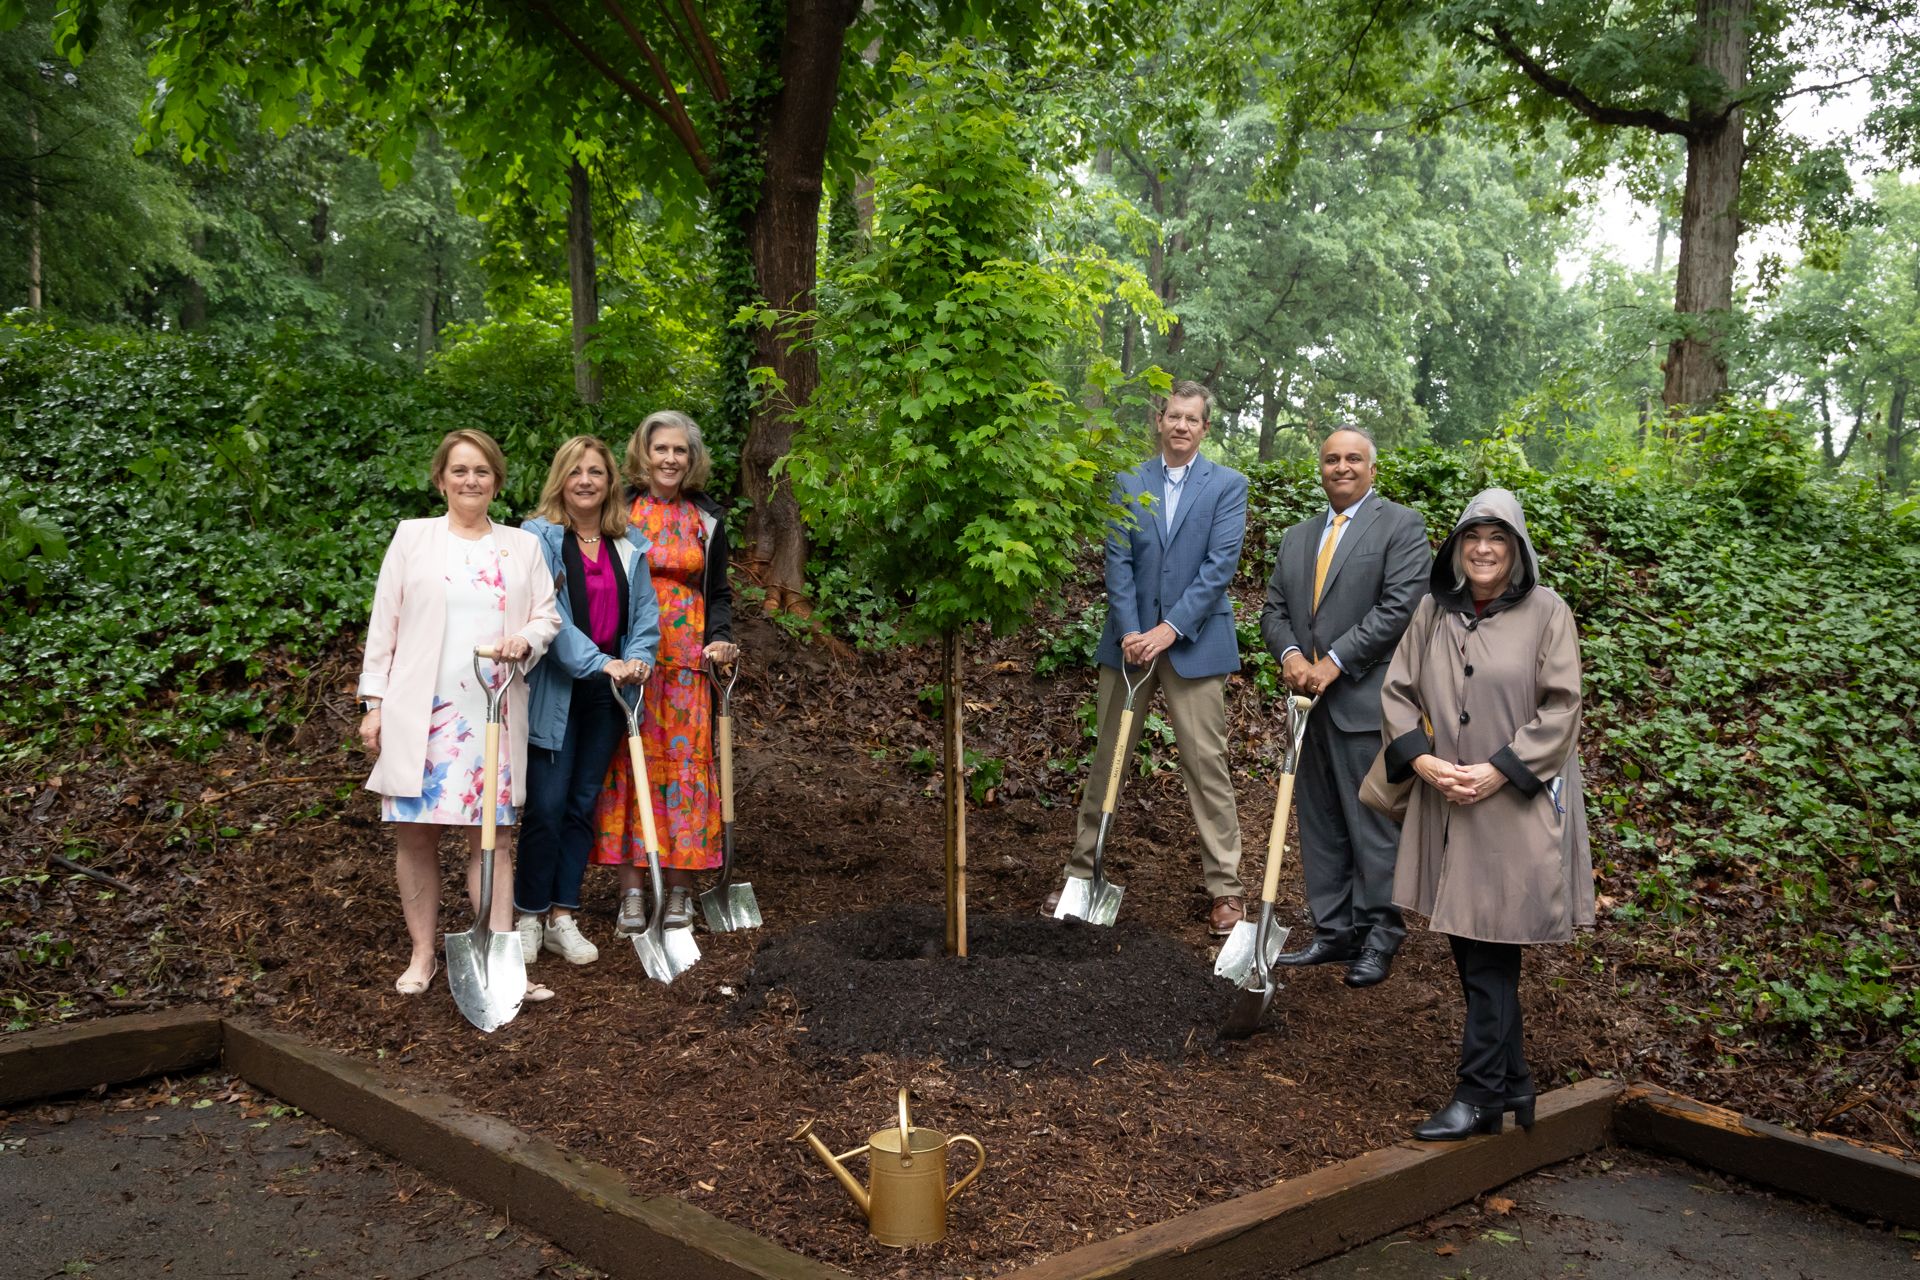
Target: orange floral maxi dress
676, 729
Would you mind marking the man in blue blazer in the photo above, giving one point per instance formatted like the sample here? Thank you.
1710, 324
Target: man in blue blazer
1167, 576
1345, 582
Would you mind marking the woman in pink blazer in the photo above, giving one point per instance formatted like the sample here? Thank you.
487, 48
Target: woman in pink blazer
448, 584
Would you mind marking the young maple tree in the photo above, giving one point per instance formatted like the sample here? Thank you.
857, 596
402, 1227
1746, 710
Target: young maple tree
941, 447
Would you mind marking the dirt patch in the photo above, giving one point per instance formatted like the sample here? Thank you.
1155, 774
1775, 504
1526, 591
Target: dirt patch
262, 881
1029, 991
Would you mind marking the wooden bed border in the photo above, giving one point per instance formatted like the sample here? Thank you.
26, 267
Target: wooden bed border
586, 1208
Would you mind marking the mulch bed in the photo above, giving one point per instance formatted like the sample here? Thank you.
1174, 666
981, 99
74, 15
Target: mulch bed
1083, 1059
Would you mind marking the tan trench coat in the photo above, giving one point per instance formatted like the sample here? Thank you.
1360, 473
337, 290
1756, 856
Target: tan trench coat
1503, 688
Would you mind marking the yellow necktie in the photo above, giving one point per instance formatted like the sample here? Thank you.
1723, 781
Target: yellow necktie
1326, 559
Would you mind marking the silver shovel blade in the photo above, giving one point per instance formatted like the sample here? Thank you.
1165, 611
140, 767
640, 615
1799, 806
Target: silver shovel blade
1095, 901
488, 983
733, 907
1236, 958
666, 953
1250, 1005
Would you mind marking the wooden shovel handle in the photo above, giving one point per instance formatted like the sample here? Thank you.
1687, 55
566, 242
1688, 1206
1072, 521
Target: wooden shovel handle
725, 726
643, 793
490, 794
1119, 762
1277, 838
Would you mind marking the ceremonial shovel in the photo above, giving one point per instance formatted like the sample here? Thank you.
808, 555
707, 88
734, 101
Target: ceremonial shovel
485, 970
1097, 900
664, 953
727, 906
1248, 954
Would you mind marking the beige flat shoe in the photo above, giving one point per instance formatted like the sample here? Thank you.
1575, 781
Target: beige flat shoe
410, 987
536, 993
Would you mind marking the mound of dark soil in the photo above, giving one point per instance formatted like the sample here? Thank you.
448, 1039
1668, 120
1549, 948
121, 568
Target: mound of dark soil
1030, 990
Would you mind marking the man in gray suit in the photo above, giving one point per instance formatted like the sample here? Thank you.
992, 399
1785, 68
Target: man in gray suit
1167, 576
1344, 584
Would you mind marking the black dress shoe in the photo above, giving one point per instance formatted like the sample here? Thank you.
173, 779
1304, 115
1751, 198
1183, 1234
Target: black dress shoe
1521, 1104
1458, 1120
1370, 969
1319, 951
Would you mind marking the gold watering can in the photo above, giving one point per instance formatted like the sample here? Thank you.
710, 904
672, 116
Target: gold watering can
908, 1169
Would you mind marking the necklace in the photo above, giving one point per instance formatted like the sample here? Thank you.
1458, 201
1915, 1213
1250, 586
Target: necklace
584, 539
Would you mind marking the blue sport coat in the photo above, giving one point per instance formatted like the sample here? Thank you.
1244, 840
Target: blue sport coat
1178, 575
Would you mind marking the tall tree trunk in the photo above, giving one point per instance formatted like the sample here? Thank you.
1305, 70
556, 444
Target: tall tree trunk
583, 281
1710, 212
1269, 416
193, 307
955, 776
35, 296
1826, 423
427, 331
316, 263
1897, 438
781, 238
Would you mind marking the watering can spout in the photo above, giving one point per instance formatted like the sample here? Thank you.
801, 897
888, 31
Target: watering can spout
840, 1171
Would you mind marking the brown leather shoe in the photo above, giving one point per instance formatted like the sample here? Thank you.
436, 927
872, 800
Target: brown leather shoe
1227, 912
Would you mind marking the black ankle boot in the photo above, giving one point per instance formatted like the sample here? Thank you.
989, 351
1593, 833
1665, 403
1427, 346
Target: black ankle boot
1521, 1104
1459, 1119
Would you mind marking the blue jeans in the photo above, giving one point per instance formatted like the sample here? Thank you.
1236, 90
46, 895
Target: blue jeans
556, 821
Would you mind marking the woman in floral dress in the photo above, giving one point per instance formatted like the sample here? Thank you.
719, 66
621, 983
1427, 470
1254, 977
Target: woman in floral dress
667, 466
447, 585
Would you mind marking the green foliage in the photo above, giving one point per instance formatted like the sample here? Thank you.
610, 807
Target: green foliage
206, 515
947, 460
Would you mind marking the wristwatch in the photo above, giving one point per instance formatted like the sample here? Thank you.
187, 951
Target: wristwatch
369, 705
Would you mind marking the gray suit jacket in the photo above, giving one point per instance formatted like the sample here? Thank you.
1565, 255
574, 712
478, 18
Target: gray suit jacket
1377, 578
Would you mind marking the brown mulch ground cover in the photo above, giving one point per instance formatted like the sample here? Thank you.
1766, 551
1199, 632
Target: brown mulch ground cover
275, 898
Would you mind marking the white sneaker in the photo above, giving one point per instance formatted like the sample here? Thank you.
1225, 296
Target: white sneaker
565, 940
529, 929
633, 912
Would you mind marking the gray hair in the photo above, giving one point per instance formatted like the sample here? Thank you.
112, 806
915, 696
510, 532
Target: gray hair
699, 461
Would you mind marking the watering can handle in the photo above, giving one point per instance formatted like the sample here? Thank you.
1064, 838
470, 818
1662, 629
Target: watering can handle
979, 1163
906, 1131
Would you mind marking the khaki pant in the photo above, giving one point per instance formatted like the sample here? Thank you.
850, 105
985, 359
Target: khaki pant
1198, 710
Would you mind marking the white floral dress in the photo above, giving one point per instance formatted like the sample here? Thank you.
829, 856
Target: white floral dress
450, 793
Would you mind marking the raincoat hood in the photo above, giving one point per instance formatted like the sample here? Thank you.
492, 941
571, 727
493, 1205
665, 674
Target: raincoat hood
1489, 506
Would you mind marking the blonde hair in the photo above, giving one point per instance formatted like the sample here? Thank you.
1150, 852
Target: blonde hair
552, 506
479, 440
699, 461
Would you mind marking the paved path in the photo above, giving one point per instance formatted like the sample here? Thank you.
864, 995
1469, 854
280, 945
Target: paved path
205, 1177
1627, 1215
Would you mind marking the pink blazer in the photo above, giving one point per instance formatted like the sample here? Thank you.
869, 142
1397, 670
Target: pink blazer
405, 633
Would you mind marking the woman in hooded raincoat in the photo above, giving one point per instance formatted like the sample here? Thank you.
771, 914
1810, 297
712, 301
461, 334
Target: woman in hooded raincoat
1482, 710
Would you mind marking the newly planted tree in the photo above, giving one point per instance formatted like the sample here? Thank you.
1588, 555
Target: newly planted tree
943, 450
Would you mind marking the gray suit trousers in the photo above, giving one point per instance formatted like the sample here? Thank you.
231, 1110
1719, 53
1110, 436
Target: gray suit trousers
1347, 851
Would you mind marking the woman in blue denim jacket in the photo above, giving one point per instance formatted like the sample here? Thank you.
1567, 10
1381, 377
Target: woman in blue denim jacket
609, 627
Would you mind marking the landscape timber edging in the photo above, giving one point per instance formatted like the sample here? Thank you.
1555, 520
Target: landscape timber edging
1825, 1167
587, 1208
69, 1058
1303, 1220
584, 1207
